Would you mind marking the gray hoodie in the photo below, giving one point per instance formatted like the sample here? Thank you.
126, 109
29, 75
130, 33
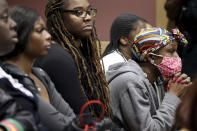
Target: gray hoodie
137, 104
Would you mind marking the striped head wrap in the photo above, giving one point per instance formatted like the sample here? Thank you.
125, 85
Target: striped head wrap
152, 39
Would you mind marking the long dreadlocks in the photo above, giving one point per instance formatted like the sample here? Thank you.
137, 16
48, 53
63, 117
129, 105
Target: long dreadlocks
87, 58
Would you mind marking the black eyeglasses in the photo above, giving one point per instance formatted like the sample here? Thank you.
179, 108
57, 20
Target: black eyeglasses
82, 13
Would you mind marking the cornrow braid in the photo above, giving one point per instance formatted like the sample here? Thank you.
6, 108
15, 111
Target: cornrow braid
87, 58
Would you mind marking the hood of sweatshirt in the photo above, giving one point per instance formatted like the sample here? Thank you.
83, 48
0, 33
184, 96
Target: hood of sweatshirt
124, 67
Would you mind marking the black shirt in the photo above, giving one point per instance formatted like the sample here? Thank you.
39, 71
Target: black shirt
61, 67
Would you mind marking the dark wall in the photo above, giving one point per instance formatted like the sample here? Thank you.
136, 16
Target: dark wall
38, 5
107, 11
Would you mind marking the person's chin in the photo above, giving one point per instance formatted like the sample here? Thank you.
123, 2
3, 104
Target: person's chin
44, 53
86, 34
7, 50
14, 40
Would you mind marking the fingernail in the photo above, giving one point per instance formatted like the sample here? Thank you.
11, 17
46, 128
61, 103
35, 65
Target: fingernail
182, 82
168, 86
178, 79
173, 80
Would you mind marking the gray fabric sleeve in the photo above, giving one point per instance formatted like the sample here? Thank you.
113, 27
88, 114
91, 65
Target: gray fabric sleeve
55, 98
51, 118
136, 112
57, 101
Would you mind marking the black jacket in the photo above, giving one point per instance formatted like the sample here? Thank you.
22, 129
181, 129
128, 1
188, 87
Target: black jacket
60, 66
10, 109
17, 100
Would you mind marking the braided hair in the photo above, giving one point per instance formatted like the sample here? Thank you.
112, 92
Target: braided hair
121, 26
87, 57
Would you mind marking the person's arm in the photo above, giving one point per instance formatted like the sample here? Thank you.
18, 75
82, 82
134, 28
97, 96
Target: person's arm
52, 118
55, 98
135, 106
62, 70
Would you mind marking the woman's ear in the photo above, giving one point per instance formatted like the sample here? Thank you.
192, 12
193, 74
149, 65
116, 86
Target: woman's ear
124, 40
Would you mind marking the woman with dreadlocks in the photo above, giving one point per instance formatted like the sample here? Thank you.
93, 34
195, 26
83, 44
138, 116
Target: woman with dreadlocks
73, 64
123, 31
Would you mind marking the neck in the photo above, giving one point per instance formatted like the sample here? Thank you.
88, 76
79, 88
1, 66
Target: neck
126, 51
23, 62
151, 71
77, 42
126, 55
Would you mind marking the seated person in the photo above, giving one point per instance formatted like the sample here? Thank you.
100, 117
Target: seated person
34, 41
123, 31
13, 115
140, 99
73, 63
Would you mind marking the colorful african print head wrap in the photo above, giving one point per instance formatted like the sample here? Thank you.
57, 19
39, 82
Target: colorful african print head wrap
152, 39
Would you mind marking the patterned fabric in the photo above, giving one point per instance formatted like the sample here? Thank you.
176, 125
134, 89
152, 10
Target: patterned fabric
11, 125
152, 39
179, 37
170, 66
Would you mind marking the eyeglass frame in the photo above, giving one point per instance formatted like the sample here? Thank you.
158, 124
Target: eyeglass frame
74, 11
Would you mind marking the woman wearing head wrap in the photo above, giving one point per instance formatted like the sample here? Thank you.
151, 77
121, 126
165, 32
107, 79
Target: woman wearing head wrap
137, 87
123, 31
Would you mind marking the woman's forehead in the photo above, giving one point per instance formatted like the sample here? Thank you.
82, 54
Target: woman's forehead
3, 6
78, 4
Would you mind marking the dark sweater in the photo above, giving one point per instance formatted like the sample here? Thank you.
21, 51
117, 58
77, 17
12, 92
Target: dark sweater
61, 67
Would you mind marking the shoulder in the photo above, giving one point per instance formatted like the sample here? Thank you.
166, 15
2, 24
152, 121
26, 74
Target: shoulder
129, 79
39, 71
57, 51
41, 74
56, 56
112, 58
128, 82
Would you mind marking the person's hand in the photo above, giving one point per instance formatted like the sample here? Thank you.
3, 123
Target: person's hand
179, 84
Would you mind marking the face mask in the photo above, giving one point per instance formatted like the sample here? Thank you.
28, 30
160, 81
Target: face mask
169, 65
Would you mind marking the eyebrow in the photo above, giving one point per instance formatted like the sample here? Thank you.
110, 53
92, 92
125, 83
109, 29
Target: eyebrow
79, 7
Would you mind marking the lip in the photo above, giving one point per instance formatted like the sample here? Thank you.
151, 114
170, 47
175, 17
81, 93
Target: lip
48, 46
88, 27
14, 36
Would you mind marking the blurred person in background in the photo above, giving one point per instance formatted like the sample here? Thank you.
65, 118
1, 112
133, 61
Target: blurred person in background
123, 31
